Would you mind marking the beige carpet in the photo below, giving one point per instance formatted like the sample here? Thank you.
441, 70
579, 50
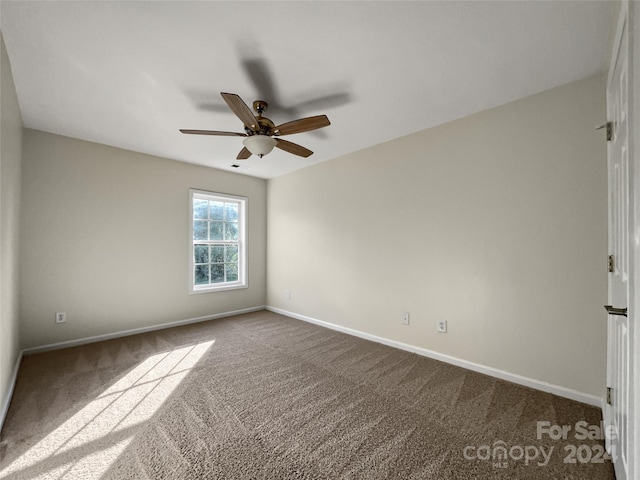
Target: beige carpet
262, 396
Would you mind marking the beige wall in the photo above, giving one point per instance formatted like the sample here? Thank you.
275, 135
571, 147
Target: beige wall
10, 158
495, 223
105, 239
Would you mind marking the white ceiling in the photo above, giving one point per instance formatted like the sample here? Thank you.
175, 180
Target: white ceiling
130, 74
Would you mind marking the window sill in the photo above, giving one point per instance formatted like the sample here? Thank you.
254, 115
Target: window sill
220, 288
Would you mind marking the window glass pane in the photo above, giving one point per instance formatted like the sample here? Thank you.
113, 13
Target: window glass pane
200, 208
201, 253
217, 273
217, 253
231, 231
201, 274
217, 210
200, 229
231, 254
218, 256
232, 272
215, 231
231, 211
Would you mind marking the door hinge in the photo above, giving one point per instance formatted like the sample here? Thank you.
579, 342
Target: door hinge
609, 129
611, 264
609, 396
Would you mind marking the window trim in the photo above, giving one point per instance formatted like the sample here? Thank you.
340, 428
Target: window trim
243, 278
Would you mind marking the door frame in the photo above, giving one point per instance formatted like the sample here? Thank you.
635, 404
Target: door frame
633, 23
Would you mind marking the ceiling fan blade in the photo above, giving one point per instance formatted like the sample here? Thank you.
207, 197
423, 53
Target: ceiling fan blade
241, 110
213, 132
331, 100
244, 154
258, 72
302, 125
293, 148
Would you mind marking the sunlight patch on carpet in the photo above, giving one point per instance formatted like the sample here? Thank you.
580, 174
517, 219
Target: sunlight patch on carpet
95, 436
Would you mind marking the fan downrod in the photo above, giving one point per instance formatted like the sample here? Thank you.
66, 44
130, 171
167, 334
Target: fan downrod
266, 125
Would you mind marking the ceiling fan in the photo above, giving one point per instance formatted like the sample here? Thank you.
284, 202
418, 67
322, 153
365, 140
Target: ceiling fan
260, 131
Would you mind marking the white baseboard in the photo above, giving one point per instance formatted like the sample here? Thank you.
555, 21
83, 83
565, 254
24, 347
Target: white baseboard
135, 331
12, 385
494, 372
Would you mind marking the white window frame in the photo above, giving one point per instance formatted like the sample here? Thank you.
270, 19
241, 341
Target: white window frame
242, 281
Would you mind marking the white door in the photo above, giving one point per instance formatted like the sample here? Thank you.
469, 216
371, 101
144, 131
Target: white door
616, 413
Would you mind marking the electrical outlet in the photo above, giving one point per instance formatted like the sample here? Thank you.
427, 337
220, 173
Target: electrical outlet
287, 294
405, 318
442, 326
61, 317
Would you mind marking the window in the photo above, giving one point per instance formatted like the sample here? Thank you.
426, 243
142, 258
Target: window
218, 245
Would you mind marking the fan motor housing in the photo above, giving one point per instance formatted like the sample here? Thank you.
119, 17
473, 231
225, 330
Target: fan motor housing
266, 125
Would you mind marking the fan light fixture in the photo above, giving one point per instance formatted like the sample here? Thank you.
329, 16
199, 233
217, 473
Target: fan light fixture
259, 145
